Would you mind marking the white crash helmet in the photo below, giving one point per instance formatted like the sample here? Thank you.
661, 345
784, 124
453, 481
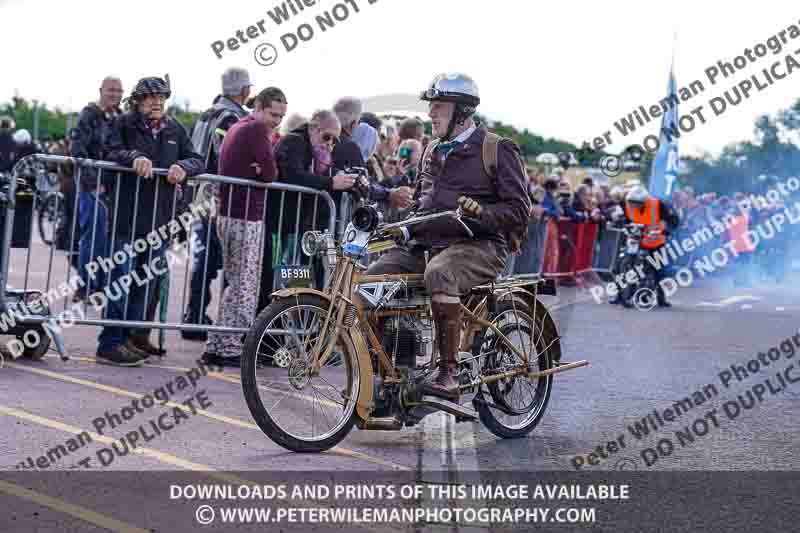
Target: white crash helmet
638, 195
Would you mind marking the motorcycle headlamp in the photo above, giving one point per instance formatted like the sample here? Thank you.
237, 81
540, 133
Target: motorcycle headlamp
311, 243
366, 218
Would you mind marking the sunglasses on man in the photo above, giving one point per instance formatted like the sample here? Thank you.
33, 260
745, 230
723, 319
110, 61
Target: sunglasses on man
329, 138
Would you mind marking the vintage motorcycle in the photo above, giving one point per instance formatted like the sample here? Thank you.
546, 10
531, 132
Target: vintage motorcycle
358, 351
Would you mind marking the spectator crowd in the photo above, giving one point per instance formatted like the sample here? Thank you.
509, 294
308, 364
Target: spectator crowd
340, 149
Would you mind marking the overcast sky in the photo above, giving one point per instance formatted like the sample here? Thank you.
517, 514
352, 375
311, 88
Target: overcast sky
566, 69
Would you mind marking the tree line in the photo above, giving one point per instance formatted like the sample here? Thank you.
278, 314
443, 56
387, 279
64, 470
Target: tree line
749, 165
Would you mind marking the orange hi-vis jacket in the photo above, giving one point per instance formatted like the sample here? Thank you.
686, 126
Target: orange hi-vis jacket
650, 216
737, 234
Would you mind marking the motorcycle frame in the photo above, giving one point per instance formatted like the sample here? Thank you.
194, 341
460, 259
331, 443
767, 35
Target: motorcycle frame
348, 274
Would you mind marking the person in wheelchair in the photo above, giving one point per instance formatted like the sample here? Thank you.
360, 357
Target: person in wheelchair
453, 174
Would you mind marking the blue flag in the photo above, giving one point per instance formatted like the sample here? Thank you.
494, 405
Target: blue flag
665, 163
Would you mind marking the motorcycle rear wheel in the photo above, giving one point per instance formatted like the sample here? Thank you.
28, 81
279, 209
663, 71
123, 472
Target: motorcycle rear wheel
524, 396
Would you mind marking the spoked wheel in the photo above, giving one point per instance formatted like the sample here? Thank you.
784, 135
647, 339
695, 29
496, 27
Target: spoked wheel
299, 411
520, 400
51, 215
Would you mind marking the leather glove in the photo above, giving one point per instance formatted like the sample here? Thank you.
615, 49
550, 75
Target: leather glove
401, 234
470, 207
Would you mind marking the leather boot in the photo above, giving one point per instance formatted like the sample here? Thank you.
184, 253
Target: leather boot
444, 383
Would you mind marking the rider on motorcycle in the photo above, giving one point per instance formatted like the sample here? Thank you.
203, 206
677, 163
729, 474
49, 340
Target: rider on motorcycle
452, 175
659, 219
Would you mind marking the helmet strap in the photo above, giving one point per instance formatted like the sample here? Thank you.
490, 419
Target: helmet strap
460, 115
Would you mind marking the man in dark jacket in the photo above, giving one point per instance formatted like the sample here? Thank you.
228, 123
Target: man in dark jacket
452, 175
88, 142
304, 158
307, 157
8, 148
143, 138
346, 152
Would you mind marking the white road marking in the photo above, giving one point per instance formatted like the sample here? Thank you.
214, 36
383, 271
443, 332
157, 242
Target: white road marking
743, 298
730, 301
450, 467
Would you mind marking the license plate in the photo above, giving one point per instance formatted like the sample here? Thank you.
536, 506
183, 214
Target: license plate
293, 276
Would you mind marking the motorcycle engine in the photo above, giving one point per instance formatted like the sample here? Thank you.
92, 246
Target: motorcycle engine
402, 343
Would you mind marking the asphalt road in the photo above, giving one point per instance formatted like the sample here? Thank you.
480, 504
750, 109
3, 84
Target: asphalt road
641, 362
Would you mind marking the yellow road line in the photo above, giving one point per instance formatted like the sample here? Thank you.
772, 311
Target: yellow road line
219, 418
222, 376
82, 513
147, 452
140, 450
155, 454
163, 457
129, 394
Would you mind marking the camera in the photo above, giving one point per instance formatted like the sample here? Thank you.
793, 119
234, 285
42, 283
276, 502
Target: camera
361, 186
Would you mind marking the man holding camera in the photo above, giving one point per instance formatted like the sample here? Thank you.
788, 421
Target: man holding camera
307, 156
453, 175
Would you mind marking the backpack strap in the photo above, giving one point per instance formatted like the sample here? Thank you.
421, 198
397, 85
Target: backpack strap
489, 157
489, 153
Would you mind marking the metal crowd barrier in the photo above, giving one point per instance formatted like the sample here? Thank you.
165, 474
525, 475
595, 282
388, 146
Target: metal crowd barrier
557, 249
290, 224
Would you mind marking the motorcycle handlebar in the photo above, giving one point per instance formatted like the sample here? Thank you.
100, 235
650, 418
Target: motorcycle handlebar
413, 221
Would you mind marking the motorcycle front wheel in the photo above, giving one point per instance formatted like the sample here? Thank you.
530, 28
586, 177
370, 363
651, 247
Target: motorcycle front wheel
628, 264
297, 410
